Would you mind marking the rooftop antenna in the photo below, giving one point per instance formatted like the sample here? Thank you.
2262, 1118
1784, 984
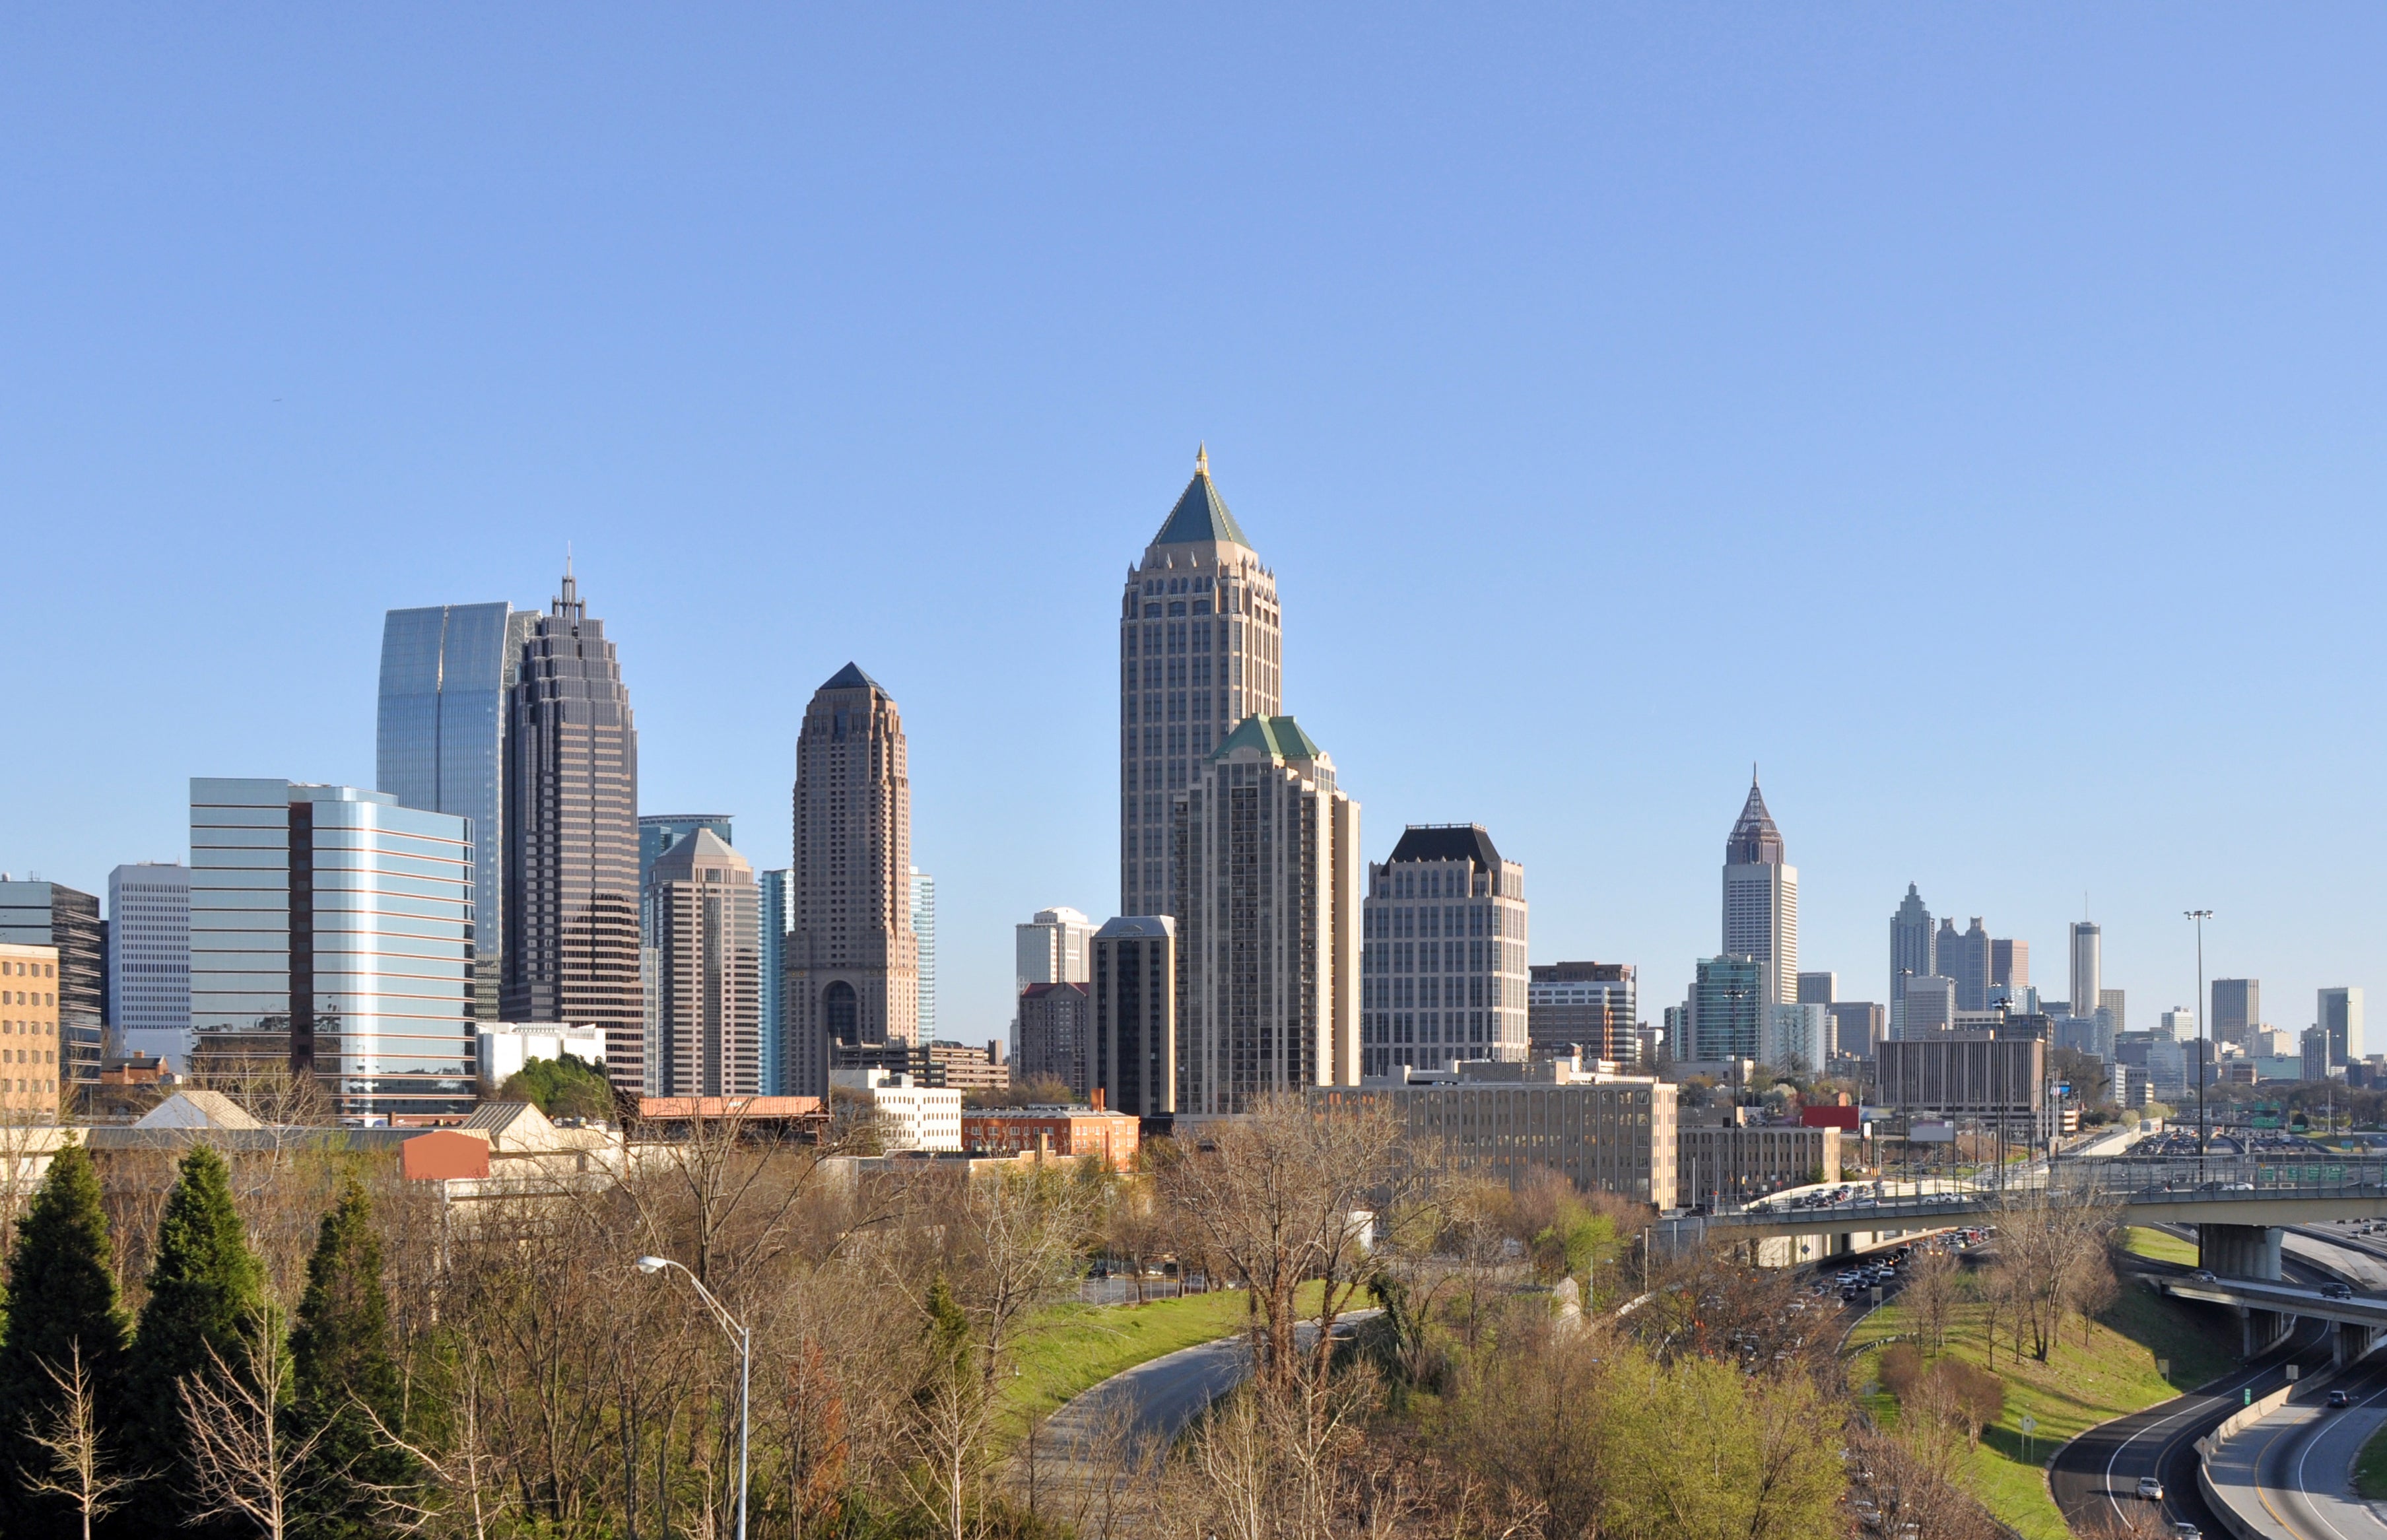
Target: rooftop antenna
1202, 459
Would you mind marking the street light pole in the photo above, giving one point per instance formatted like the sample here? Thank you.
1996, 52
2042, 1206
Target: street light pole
744, 1341
2204, 1028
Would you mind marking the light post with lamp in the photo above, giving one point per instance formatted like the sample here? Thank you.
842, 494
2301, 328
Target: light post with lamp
744, 1341
2203, 1027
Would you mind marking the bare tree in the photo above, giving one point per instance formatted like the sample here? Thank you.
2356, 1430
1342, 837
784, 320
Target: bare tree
1930, 1295
244, 1462
78, 1470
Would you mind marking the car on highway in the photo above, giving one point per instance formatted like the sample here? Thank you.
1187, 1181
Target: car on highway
2203, 1275
2183, 1530
2151, 1489
2337, 1291
2338, 1398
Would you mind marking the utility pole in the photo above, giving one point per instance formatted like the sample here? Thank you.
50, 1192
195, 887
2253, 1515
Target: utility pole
2204, 1029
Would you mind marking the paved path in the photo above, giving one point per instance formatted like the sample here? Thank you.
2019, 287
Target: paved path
1160, 1398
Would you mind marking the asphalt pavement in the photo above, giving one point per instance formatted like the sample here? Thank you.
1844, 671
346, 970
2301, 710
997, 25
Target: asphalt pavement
2291, 1471
2095, 1477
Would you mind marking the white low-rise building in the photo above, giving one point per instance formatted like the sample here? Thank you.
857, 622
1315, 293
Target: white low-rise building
506, 1046
911, 1116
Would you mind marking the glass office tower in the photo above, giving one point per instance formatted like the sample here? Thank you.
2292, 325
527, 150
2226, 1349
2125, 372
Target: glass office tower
440, 741
332, 934
149, 960
53, 914
777, 900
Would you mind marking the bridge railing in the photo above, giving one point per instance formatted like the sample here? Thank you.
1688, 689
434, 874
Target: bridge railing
2102, 1181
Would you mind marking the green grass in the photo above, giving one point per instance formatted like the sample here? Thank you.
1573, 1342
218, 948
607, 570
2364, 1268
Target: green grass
2370, 1468
1074, 1347
2156, 1246
2076, 1389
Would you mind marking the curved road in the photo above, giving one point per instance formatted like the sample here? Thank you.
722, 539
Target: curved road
2294, 1464
2095, 1477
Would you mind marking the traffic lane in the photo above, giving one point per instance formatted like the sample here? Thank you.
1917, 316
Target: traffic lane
2303, 1476
2358, 1263
2095, 1477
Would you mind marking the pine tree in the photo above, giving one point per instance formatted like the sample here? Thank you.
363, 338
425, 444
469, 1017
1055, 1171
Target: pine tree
342, 1365
63, 1303
207, 1300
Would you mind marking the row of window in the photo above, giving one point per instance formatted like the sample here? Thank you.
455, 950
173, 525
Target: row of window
13, 969
1476, 956
1427, 989
1384, 920
27, 997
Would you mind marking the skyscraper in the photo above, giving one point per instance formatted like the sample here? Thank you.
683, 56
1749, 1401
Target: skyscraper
1969, 959
51, 913
2340, 1017
1761, 901
1134, 988
853, 959
1056, 947
446, 674
2009, 964
1445, 978
2115, 1009
1914, 950
2179, 1025
1268, 872
1819, 989
571, 910
778, 906
1586, 1005
2237, 1009
149, 960
2086, 967
703, 916
659, 831
1726, 1005
924, 930
332, 934
1199, 650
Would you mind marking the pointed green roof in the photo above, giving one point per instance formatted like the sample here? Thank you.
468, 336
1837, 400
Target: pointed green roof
1280, 738
1200, 514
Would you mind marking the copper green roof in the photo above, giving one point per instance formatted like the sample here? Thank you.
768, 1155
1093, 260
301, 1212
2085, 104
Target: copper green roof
1200, 514
1280, 738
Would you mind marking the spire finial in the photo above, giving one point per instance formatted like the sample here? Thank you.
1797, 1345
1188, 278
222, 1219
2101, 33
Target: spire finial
1202, 459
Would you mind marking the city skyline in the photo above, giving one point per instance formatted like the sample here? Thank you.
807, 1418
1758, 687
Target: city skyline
1649, 365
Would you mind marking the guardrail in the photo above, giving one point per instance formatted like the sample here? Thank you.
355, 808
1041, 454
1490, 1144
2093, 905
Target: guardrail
2135, 1180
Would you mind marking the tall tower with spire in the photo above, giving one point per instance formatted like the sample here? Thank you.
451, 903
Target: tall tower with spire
1761, 901
1200, 650
571, 832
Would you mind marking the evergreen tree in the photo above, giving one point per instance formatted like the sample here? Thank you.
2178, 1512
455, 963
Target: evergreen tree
341, 1361
62, 1293
206, 1301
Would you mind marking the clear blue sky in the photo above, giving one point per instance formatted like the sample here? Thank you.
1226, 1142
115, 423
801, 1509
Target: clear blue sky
1971, 414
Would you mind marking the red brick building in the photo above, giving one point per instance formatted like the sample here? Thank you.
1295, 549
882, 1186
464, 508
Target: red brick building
1055, 1130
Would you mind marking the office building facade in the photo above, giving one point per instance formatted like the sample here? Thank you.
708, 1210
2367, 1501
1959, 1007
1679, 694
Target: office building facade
776, 909
924, 948
35, 1061
2088, 966
1586, 1006
1761, 901
1913, 949
1443, 968
570, 911
1818, 988
1858, 1026
51, 913
1506, 1121
659, 831
2237, 1009
1931, 1006
1967, 957
853, 959
448, 674
2114, 1009
2338, 1012
1727, 1008
150, 961
332, 935
2009, 964
703, 913
1200, 650
1269, 873
1796, 1037
1056, 1028
1134, 990
2000, 1080
1056, 947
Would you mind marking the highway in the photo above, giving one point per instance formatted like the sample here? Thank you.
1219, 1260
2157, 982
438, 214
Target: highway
2294, 1462
2095, 1476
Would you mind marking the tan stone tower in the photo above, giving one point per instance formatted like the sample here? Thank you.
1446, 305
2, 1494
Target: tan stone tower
702, 908
1199, 651
854, 973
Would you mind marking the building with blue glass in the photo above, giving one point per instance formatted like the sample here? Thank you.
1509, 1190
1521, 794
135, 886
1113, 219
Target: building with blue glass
332, 934
778, 907
441, 737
